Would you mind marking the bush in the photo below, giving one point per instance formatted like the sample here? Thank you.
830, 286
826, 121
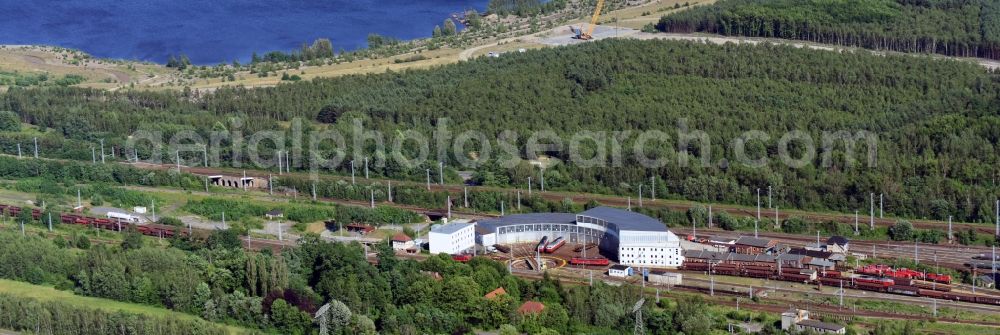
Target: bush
901, 231
9, 121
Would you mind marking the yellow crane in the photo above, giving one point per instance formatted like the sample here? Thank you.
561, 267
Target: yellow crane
587, 35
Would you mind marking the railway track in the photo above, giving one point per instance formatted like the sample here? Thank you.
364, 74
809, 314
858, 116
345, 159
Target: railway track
943, 255
854, 295
722, 295
605, 199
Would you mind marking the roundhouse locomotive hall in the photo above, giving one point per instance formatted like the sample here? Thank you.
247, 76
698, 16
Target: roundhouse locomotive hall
632, 238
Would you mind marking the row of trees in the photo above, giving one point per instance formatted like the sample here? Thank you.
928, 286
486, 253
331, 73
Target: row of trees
321, 48
57, 318
935, 121
954, 28
524, 7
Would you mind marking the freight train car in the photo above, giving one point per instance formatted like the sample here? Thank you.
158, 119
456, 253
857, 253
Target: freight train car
596, 261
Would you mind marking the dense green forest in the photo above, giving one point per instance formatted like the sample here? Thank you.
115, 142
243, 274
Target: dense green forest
936, 121
965, 28
524, 7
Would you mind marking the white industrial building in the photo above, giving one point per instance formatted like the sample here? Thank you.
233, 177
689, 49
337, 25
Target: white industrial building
621, 271
634, 239
452, 238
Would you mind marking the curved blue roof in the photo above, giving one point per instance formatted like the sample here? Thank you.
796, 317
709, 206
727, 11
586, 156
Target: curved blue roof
626, 220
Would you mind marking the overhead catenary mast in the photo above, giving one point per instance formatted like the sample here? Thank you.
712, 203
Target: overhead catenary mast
757, 222
950, 235
640, 195
872, 214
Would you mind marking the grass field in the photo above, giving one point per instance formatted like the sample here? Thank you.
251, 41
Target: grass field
45, 293
60, 62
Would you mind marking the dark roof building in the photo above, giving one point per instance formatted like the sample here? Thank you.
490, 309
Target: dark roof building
625, 220
838, 240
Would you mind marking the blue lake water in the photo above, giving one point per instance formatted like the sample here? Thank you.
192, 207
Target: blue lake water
215, 31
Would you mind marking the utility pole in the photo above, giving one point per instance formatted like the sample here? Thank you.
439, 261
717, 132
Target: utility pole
694, 228
541, 173
177, 159
204, 152
872, 214
630, 203
652, 194
79, 202
640, 195
366, 167
440, 173
280, 238
373, 199
428, 179
769, 196
755, 223
206, 184
880, 216
449, 206
856, 232
529, 186
501, 209
389, 193
279, 163
153, 205
93, 155
777, 223
19, 152
998, 219
50, 221
841, 293
466, 191
270, 184
950, 236
314, 191
36, 147
709, 216
758, 207
102, 151
519, 200
353, 181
